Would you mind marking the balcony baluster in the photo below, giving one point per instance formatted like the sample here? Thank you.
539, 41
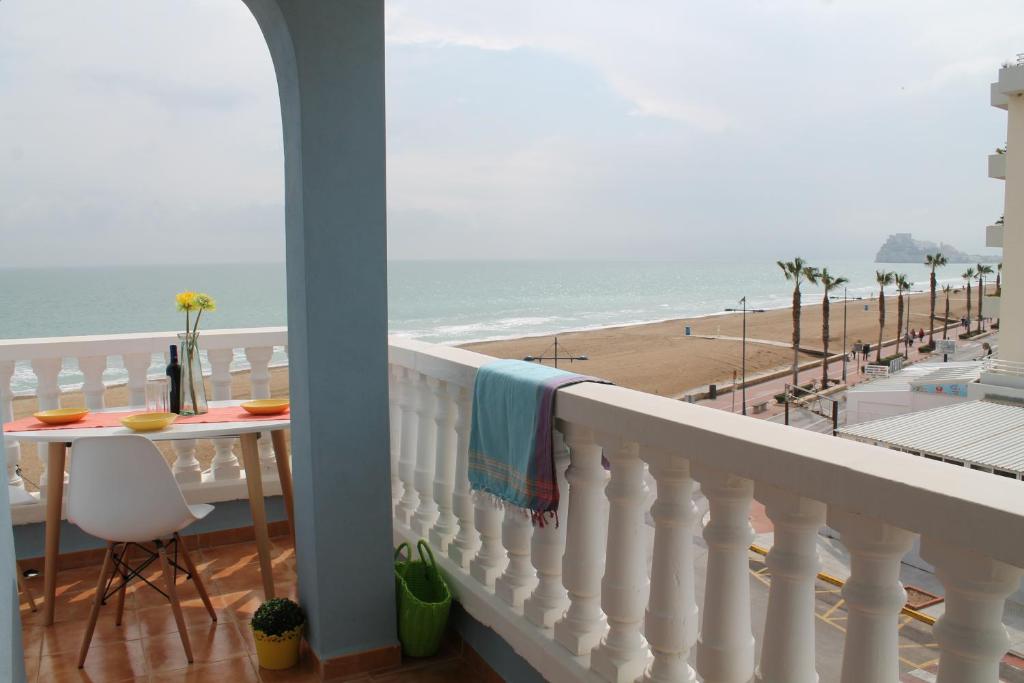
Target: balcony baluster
446, 526
6, 415
672, 616
137, 365
491, 560
395, 423
548, 602
259, 378
426, 454
92, 368
725, 649
409, 394
787, 651
520, 578
46, 370
622, 655
874, 596
971, 636
467, 541
225, 463
582, 626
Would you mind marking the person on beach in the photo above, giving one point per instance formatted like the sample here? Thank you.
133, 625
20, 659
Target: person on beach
920, 335
908, 340
867, 350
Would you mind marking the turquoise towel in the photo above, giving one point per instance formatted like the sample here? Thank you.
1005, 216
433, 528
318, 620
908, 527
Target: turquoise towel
510, 449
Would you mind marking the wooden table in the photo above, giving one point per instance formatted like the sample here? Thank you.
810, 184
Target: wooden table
59, 440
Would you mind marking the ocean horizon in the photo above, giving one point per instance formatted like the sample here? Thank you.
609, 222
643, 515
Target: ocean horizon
445, 302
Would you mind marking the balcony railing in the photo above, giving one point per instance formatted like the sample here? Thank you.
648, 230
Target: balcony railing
579, 600
132, 356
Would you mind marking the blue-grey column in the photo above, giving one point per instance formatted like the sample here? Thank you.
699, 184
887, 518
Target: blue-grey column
12, 662
329, 59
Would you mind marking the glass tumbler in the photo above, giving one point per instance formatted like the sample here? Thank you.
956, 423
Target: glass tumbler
158, 395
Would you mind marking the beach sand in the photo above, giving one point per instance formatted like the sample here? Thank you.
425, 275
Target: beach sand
658, 358
654, 357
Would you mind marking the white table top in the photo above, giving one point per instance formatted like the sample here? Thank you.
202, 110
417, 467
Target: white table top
174, 432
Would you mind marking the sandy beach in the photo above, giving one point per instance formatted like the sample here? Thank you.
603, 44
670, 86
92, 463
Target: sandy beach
659, 358
653, 357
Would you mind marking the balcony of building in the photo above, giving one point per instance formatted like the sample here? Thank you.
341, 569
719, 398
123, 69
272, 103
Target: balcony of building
650, 570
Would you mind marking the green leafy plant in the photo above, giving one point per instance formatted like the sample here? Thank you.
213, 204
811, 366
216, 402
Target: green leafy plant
277, 617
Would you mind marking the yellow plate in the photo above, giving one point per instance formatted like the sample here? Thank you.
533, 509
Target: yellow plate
148, 422
62, 416
266, 406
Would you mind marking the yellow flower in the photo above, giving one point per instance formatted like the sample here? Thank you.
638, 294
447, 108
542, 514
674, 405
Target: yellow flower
205, 302
186, 301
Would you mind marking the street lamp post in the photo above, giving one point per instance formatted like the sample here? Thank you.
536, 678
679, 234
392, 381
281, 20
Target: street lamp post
541, 358
845, 300
743, 353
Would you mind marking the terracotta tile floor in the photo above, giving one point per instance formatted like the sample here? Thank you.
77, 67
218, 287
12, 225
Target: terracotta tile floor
146, 647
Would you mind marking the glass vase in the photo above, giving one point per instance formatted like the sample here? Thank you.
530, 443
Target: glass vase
193, 391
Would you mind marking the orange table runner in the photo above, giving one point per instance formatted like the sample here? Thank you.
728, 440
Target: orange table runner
221, 414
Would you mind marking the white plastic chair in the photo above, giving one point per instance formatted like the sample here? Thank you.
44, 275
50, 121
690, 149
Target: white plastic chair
121, 490
19, 496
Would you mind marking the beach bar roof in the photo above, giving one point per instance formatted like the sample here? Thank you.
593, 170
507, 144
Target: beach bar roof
986, 435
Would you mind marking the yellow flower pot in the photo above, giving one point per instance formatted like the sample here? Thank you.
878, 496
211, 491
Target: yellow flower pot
278, 652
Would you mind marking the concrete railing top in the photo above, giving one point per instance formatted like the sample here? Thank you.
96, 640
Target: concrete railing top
136, 342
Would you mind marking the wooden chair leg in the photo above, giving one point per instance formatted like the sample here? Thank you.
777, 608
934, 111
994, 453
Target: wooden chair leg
172, 593
198, 580
108, 563
23, 587
124, 589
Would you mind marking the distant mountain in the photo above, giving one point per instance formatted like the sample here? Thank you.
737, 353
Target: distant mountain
903, 248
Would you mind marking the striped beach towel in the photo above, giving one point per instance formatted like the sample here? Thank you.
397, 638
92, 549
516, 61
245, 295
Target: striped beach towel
510, 446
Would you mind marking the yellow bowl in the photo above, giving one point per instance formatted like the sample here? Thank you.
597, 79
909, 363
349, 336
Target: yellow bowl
148, 422
266, 406
61, 416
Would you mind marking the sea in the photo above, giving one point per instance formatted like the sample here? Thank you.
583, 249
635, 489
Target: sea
445, 302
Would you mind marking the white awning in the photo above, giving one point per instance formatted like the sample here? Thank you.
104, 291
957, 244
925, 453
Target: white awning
986, 433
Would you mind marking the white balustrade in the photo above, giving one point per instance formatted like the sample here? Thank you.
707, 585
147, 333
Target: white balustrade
92, 368
572, 597
447, 525
407, 464
520, 578
725, 648
671, 621
137, 364
259, 377
787, 653
395, 422
971, 635
491, 559
874, 596
426, 451
622, 655
225, 464
46, 358
6, 415
47, 372
583, 624
467, 541
549, 600
186, 467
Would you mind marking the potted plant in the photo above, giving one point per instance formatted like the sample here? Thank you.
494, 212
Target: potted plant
277, 628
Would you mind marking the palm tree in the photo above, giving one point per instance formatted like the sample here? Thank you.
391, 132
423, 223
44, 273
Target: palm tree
968, 275
797, 271
946, 289
901, 286
829, 282
884, 279
999, 273
983, 270
933, 261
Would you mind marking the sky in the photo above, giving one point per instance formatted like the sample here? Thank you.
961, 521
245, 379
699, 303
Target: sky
661, 129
